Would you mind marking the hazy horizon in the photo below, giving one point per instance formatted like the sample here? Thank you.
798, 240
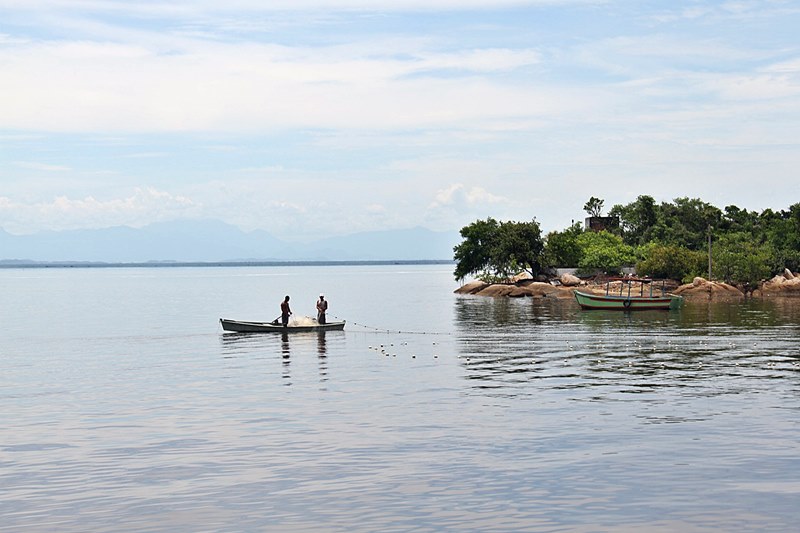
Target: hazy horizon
215, 241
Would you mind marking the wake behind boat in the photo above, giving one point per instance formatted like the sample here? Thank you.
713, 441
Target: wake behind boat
308, 325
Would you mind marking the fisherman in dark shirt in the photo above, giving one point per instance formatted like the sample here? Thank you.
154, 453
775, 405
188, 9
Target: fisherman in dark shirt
285, 311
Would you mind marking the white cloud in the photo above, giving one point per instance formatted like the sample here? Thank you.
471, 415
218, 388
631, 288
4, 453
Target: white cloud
31, 165
662, 55
284, 207
309, 116
756, 87
487, 60
791, 66
268, 169
146, 155
183, 7
144, 206
460, 197
205, 86
720, 11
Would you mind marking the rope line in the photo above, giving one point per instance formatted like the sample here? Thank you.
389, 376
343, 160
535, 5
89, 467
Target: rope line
386, 330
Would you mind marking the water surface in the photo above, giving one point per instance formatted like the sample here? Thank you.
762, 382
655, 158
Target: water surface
126, 408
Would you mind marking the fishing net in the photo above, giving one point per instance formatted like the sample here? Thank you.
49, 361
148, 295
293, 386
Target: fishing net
302, 321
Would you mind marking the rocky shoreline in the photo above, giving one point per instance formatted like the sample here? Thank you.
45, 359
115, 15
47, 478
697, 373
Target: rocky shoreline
783, 285
786, 284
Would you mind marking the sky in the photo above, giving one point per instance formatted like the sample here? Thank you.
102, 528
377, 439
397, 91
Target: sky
315, 118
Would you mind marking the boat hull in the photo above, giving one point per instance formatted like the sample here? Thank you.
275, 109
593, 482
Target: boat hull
241, 326
626, 303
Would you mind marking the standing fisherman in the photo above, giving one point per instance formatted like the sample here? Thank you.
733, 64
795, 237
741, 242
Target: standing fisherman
285, 311
322, 307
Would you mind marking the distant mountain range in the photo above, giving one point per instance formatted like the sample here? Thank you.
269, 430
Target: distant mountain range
215, 241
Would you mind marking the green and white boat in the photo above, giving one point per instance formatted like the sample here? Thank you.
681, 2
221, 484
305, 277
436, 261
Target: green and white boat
627, 299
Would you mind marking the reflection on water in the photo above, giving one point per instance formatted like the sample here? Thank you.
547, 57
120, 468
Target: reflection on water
322, 355
696, 398
493, 415
236, 344
505, 341
284, 343
287, 361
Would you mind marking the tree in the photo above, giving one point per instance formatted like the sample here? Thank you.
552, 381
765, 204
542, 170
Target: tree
668, 240
735, 220
562, 248
671, 262
594, 207
637, 219
686, 223
492, 248
519, 247
782, 232
604, 251
737, 259
474, 254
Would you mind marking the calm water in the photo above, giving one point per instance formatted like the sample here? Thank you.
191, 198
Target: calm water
126, 408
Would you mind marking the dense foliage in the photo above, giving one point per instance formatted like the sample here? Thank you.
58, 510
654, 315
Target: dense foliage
562, 249
666, 240
739, 260
603, 251
475, 254
499, 249
668, 261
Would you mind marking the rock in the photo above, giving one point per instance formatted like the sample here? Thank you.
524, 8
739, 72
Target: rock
502, 290
534, 289
472, 287
522, 276
527, 288
788, 274
568, 280
781, 286
538, 289
702, 289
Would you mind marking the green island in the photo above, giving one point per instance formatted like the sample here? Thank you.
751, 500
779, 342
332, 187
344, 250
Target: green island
705, 252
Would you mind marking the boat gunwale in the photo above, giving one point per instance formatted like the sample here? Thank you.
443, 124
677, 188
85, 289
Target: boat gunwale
272, 327
592, 301
615, 297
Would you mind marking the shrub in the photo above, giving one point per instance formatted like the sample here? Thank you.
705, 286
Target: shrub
672, 262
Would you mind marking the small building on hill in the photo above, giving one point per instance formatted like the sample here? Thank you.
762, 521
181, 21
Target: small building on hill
601, 223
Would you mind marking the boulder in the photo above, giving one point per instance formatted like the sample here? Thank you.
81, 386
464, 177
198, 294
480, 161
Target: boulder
522, 276
533, 289
539, 289
777, 280
499, 289
472, 287
702, 289
780, 285
569, 280
788, 274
